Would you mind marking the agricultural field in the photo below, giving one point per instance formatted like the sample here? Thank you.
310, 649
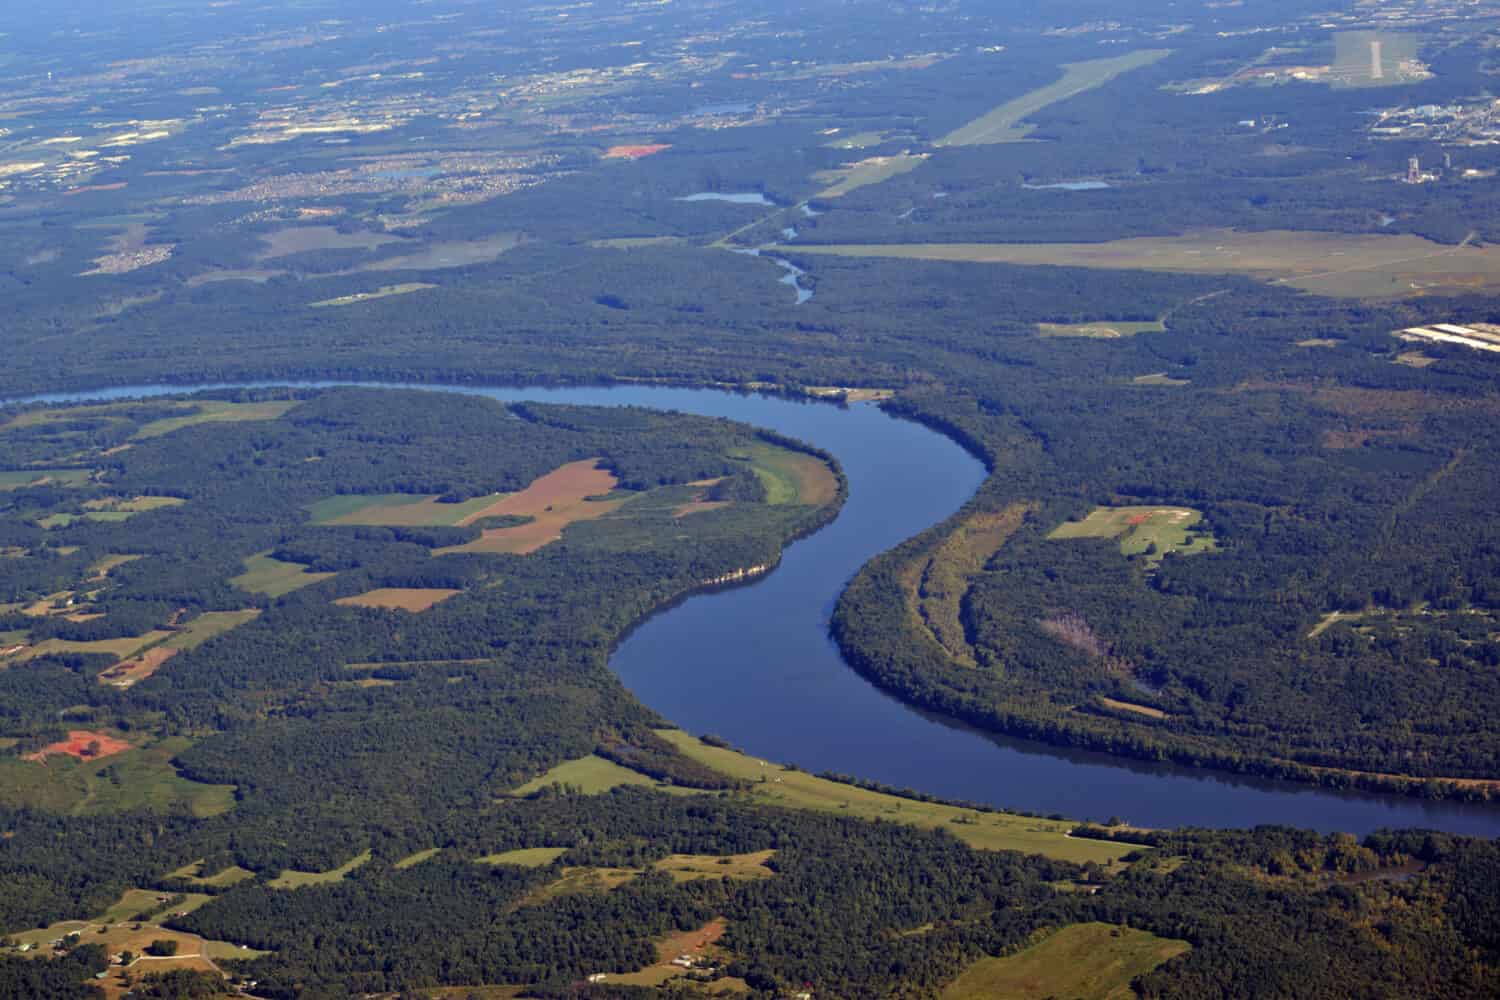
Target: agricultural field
529, 857
411, 860
291, 879
274, 578
1102, 330
396, 510
773, 784
399, 598
1151, 532
43, 477
193, 872
134, 778
217, 412
207, 626
1343, 265
791, 477
562, 497
863, 173
123, 648
1006, 123
1093, 961
591, 775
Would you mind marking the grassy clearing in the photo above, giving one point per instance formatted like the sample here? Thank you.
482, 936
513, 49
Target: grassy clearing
101, 569
528, 857
1416, 359
1151, 532
292, 879
208, 625
122, 649
216, 412
1130, 706
790, 477
1091, 961
1004, 124
987, 831
936, 586
700, 943
692, 867
383, 292
193, 872
1346, 265
552, 502
865, 172
1102, 330
272, 577
417, 858
412, 599
141, 778
397, 510
43, 477
592, 775
1160, 378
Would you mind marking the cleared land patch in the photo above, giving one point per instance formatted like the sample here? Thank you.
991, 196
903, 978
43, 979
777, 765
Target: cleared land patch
397, 510
1339, 264
122, 648
863, 173
591, 775
132, 778
416, 859
1102, 330
936, 587
698, 947
1148, 531
193, 872
1004, 124
529, 857
84, 745
292, 879
217, 412
773, 785
383, 292
399, 598
274, 578
1130, 706
553, 502
43, 477
1093, 961
791, 477
208, 625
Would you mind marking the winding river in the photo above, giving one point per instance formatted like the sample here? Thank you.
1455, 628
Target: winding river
754, 663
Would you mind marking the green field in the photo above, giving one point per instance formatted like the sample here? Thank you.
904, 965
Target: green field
869, 171
1101, 330
207, 625
216, 412
292, 879
773, 785
590, 775
395, 510
274, 578
530, 857
1091, 961
27, 477
193, 873
136, 779
1148, 531
790, 477
416, 859
1004, 124
384, 292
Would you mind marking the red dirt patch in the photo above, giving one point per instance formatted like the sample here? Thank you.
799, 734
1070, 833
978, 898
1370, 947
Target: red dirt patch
553, 501
81, 744
128, 672
635, 152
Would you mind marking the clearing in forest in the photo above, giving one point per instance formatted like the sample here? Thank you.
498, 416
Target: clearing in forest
791, 477
993, 831
1348, 265
214, 411
400, 598
1101, 330
193, 872
383, 292
122, 648
527, 857
554, 501
591, 775
43, 477
698, 946
132, 778
292, 879
84, 745
1004, 124
1148, 531
937, 584
274, 578
396, 510
1093, 961
863, 173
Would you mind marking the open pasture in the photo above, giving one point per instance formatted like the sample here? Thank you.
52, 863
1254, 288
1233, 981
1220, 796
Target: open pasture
122, 648
193, 872
216, 412
529, 857
700, 944
1101, 330
208, 625
132, 778
1093, 961
412, 599
305, 239
1006, 123
1148, 531
383, 292
1344, 265
774, 785
128, 673
396, 510
274, 578
592, 775
292, 879
791, 477
863, 173
553, 502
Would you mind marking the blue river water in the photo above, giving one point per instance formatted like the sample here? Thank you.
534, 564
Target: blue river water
754, 663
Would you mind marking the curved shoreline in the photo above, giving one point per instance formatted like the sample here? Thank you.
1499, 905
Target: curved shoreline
753, 662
